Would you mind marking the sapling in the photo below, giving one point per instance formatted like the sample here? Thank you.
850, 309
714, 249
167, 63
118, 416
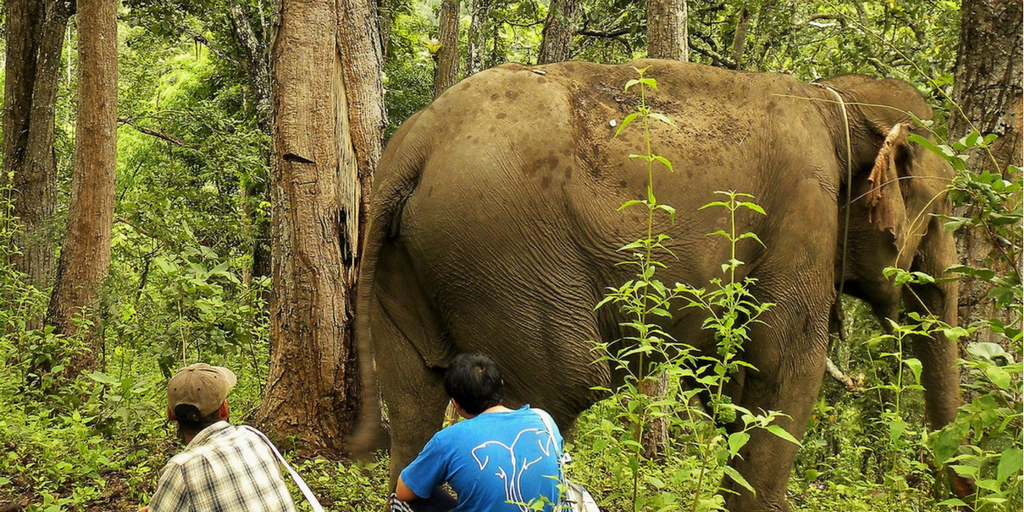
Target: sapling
731, 310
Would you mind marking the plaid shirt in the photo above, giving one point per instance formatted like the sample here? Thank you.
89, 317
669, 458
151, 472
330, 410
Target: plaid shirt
225, 469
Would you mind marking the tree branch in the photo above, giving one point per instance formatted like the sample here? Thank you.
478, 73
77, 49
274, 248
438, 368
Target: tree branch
716, 59
837, 374
216, 50
156, 133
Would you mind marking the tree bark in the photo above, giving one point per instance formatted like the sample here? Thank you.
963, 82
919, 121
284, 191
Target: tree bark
988, 89
386, 15
363, 56
667, 33
559, 27
85, 253
446, 73
328, 126
256, 63
34, 46
739, 40
477, 40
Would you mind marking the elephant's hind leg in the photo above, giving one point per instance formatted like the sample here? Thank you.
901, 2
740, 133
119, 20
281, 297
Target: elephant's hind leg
411, 355
789, 351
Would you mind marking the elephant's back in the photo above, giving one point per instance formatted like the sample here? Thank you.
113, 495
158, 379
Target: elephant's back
522, 171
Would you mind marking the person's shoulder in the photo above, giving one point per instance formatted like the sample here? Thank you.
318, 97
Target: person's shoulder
226, 436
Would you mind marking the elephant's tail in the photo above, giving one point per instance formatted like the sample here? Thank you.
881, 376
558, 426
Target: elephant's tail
397, 176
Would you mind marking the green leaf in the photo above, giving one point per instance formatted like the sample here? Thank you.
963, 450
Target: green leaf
102, 378
896, 429
999, 376
751, 206
631, 83
670, 210
629, 203
627, 120
781, 432
736, 441
915, 367
1010, 463
735, 475
662, 118
714, 203
664, 161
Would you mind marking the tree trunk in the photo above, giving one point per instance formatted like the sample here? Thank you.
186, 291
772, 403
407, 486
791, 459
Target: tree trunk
666, 39
559, 27
363, 56
254, 61
739, 40
85, 254
386, 15
329, 119
477, 40
34, 46
667, 35
988, 89
446, 74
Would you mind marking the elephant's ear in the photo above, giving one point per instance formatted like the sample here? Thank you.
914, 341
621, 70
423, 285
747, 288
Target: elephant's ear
885, 201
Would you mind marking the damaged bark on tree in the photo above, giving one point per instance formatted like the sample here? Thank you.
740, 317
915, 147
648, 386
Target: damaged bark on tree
327, 138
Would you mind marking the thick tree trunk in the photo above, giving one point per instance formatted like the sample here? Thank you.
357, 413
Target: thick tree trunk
34, 46
85, 254
559, 27
988, 89
327, 137
446, 73
667, 34
477, 40
363, 59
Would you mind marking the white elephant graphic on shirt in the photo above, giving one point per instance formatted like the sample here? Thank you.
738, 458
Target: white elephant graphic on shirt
510, 466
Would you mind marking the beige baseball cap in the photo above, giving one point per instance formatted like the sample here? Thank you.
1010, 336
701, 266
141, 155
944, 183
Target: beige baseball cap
201, 385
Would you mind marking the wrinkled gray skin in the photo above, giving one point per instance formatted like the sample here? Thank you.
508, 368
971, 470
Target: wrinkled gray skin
493, 228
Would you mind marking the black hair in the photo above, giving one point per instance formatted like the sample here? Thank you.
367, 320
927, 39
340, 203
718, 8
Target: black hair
474, 382
189, 419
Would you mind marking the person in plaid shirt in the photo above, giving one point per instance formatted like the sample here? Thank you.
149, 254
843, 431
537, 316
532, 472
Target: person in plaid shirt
223, 467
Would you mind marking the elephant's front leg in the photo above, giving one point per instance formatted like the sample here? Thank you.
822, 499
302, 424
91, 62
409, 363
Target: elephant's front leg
790, 362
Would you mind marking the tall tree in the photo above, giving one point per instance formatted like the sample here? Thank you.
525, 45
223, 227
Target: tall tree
85, 253
446, 74
477, 39
987, 87
666, 39
667, 35
35, 42
328, 120
559, 27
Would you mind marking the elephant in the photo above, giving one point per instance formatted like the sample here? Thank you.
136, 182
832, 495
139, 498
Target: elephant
493, 227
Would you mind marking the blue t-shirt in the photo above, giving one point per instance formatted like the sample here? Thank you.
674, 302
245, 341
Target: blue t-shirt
491, 460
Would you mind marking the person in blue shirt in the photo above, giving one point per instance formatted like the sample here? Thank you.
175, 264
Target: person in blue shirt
497, 459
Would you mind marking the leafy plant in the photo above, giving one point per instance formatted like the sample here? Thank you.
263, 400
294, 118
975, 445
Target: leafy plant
650, 351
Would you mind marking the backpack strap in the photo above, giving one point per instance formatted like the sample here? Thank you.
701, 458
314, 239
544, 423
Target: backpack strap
563, 457
295, 476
